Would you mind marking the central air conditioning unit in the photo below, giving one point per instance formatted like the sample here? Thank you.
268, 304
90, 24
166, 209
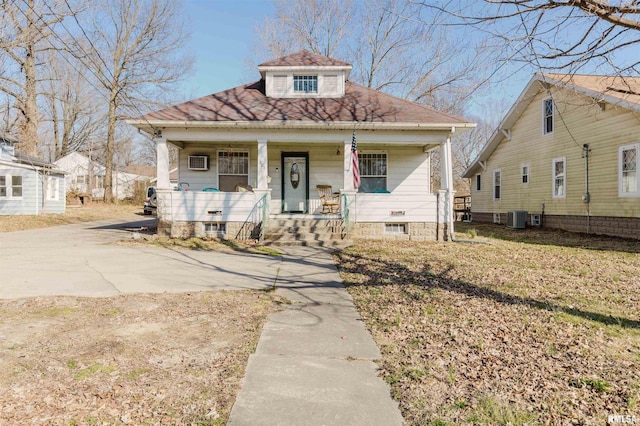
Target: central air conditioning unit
517, 219
198, 162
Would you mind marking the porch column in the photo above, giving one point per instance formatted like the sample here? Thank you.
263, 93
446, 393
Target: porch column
263, 165
446, 176
162, 163
347, 183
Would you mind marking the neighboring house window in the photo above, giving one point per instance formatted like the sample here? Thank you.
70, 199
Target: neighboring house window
16, 186
559, 177
525, 174
497, 184
478, 182
53, 186
233, 169
547, 124
629, 178
99, 182
3, 186
81, 179
373, 172
305, 83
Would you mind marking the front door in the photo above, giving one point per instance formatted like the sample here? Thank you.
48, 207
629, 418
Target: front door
295, 182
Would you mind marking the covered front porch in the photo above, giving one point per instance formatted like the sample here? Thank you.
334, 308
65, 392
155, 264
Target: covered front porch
235, 187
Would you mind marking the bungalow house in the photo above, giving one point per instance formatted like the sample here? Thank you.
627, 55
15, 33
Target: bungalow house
277, 153
28, 185
86, 177
565, 156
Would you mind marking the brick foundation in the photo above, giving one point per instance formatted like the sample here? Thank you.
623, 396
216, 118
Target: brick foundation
626, 227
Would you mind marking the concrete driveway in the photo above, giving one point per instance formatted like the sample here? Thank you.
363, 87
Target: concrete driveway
81, 260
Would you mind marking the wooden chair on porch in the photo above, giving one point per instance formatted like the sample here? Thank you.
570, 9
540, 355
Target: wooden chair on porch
330, 200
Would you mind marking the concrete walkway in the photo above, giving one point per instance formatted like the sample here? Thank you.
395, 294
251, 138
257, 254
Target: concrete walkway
314, 364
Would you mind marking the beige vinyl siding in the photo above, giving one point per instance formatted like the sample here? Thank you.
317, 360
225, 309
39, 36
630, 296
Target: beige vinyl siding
587, 123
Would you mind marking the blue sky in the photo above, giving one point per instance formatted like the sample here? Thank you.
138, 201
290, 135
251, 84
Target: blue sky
222, 38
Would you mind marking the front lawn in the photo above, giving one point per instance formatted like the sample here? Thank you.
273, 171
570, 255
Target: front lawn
536, 327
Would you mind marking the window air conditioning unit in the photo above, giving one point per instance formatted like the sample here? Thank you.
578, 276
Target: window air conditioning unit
517, 219
536, 220
198, 162
496, 218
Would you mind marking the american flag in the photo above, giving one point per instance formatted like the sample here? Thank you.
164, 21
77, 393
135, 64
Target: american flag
355, 166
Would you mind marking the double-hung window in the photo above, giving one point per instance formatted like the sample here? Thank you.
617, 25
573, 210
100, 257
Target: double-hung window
373, 172
497, 184
525, 173
628, 176
559, 171
10, 186
478, 182
305, 84
233, 169
547, 116
53, 187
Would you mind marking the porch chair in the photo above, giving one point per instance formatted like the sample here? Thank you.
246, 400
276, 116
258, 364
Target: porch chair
330, 200
243, 187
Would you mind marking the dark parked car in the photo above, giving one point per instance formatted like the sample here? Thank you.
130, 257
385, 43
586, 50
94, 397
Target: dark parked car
150, 203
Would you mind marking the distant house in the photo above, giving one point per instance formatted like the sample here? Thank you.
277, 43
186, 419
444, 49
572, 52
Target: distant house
86, 177
567, 155
276, 154
28, 185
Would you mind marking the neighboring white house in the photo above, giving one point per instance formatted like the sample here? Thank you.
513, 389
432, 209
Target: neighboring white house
291, 131
28, 185
85, 176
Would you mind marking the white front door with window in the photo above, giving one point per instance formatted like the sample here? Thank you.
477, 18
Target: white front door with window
295, 185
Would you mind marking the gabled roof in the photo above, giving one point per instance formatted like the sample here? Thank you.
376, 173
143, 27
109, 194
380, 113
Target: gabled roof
616, 90
304, 58
247, 105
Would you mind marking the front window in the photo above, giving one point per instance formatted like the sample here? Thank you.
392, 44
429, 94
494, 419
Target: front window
629, 178
497, 184
373, 172
305, 83
547, 123
233, 170
559, 177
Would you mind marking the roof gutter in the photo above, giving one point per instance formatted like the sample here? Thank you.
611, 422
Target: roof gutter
274, 124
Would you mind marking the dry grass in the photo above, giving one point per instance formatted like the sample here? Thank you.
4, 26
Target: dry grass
537, 327
95, 211
134, 359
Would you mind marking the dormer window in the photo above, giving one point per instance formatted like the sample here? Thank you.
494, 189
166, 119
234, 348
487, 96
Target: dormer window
305, 84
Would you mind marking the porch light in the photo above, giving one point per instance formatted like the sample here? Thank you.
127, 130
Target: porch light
229, 149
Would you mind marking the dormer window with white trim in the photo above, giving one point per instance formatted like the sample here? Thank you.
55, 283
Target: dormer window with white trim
305, 84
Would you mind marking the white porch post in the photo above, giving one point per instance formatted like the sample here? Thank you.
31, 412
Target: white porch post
162, 163
263, 165
446, 176
347, 183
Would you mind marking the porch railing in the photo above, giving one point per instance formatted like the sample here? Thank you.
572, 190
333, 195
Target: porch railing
253, 227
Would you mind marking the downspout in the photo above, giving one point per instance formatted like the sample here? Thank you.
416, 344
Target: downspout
587, 197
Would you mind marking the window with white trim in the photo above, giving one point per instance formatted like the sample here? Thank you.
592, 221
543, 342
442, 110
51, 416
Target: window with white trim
628, 176
559, 172
525, 173
53, 187
233, 170
478, 182
547, 116
395, 228
10, 186
497, 184
3, 186
373, 172
305, 84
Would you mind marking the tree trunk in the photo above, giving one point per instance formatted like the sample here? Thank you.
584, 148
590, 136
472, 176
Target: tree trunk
30, 129
110, 151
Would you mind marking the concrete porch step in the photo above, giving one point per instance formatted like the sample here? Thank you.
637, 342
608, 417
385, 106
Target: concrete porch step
327, 232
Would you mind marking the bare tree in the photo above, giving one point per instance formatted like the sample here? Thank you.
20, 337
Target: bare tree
24, 26
319, 26
72, 106
558, 35
136, 55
